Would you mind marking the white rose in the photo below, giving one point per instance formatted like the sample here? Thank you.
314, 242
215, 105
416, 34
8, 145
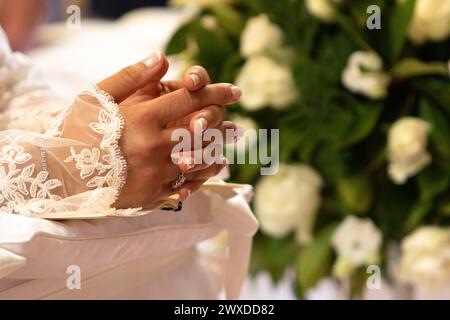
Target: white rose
431, 21
357, 242
363, 74
199, 3
425, 260
260, 35
265, 82
407, 148
323, 9
288, 201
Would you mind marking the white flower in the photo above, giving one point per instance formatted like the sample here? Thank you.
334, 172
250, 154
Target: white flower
323, 9
431, 21
260, 35
264, 82
199, 3
288, 201
407, 148
363, 74
425, 260
357, 242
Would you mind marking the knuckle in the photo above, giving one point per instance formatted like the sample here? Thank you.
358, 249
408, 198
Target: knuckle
224, 93
188, 98
148, 116
129, 74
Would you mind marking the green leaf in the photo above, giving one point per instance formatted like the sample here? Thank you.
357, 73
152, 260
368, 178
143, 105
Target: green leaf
273, 255
393, 206
398, 27
230, 67
365, 120
352, 30
436, 90
418, 214
178, 41
411, 67
359, 9
213, 49
356, 192
440, 129
432, 182
231, 19
314, 261
358, 282
444, 208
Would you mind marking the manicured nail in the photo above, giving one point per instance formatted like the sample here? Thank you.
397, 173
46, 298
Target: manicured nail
153, 60
236, 92
200, 125
195, 79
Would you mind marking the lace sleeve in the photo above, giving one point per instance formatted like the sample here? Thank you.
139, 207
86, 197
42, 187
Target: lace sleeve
76, 165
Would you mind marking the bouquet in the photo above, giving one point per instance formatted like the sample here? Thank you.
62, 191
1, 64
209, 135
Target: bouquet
360, 93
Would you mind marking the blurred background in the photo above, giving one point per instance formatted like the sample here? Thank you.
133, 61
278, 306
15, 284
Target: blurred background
360, 92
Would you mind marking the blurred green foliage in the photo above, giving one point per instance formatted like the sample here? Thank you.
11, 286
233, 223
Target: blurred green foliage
341, 134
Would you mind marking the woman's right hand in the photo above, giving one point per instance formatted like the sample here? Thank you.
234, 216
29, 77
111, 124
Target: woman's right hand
146, 141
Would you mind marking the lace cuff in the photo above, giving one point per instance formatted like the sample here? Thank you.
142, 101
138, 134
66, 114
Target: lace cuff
84, 169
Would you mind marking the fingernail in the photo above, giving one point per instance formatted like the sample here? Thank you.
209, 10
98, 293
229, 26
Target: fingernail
200, 125
189, 163
236, 92
153, 60
195, 79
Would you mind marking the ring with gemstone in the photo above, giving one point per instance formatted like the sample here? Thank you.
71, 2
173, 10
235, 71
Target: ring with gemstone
179, 181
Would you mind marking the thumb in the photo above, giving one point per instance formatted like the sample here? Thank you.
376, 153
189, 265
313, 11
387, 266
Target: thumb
125, 82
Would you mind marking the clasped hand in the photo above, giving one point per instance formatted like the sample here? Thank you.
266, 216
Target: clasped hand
152, 110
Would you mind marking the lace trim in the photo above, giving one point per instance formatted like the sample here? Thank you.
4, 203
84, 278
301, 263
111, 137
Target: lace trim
107, 174
110, 125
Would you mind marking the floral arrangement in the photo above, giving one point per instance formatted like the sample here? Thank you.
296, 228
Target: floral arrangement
360, 92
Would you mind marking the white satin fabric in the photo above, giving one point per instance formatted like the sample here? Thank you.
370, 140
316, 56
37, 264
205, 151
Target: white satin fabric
157, 256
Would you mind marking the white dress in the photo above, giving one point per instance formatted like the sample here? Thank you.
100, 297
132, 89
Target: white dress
48, 166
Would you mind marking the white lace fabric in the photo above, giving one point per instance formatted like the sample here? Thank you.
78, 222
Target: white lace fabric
76, 165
